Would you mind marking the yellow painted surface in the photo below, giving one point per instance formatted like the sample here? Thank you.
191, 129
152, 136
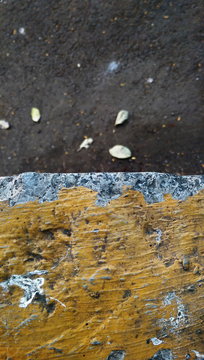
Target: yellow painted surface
118, 276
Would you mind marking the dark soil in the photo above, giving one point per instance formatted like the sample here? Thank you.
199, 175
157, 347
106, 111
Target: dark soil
162, 40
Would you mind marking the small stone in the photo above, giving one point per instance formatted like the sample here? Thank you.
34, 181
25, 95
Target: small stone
35, 114
149, 80
4, 125
113, 66
120, 152
21, 30
121, 117
186, 263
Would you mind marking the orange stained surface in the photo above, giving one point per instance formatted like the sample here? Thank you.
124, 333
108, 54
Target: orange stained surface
128, 276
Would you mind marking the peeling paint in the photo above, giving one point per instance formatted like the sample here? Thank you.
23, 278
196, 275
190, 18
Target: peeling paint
31, 287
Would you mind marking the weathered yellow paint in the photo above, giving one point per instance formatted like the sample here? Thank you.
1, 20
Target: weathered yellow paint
121, 274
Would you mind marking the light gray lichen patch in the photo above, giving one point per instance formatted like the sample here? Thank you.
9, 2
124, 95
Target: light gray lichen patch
159, 236
163, 354
30, 286
175, 322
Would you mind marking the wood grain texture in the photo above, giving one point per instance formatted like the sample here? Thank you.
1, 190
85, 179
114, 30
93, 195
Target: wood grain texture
128, 276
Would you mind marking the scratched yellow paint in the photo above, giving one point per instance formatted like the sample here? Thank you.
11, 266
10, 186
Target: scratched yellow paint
118, 277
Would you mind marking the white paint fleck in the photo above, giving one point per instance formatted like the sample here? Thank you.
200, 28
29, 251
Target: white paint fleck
113, 66
31, 287
156, 341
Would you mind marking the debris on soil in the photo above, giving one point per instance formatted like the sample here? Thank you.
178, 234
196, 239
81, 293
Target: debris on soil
113, 66
121, 117
21, 31
4, 125
120, 152
85, 144
149, 80
35, 114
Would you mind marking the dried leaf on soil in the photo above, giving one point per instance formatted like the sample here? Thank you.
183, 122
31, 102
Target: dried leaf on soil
35, 114
121, 117
120, 152
85, 144
4, 125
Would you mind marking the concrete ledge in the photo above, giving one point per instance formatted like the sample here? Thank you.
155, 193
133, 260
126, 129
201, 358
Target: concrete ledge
101, 267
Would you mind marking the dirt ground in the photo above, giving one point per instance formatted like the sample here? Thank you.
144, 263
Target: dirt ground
80, 62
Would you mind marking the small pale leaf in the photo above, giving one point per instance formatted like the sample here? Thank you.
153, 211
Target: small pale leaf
120, 152
121, 117
35, 114
85, 144
4, 125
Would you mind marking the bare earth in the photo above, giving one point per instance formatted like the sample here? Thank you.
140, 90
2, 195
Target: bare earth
80, 62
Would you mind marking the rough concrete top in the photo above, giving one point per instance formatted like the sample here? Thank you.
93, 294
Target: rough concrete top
32, 186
